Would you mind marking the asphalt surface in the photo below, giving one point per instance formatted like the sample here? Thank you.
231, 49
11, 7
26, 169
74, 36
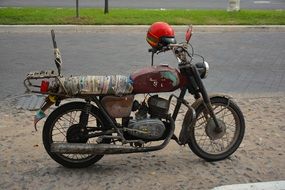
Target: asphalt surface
240, 62
149, 4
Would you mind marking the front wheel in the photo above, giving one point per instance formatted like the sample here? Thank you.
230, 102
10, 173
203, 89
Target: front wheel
208, 143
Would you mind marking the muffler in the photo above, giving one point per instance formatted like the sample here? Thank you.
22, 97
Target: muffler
100, 149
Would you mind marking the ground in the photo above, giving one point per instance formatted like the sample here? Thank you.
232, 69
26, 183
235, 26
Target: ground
26, 165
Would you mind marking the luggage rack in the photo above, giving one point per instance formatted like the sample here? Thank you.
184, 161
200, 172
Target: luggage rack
41, 74
31, 77
30, 80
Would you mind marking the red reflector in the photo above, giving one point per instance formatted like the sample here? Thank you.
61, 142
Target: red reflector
44, 86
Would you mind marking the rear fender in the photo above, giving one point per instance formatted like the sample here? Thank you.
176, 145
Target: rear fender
49, 101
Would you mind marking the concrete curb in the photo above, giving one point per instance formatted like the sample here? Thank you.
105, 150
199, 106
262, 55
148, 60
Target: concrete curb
135, 28
272, 185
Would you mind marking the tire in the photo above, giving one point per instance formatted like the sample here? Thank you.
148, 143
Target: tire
203, 131
59, 120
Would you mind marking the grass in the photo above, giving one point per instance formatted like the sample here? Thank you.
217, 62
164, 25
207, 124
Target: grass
95, 16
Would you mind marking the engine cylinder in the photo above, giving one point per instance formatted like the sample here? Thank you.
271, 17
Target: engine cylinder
158, 107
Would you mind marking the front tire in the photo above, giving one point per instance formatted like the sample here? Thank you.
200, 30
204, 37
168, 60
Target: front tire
209, 144
62, 125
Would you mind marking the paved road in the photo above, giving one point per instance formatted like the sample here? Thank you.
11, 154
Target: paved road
240, 62
168, 4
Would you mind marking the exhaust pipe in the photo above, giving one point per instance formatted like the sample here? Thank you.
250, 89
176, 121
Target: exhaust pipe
100, 149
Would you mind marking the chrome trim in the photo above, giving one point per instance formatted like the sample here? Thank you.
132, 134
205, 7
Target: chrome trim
207, 69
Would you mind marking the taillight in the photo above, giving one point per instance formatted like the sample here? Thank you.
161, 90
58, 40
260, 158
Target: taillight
44, 86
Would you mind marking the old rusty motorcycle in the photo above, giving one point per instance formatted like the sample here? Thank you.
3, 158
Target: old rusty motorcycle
102, 115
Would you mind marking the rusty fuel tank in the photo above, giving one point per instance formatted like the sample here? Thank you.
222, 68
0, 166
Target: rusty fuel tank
154, 79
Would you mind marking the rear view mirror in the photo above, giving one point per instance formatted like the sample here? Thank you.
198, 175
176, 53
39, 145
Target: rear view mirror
188, 34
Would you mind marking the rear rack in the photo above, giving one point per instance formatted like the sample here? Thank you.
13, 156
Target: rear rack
31, 77
30, 81
41, 74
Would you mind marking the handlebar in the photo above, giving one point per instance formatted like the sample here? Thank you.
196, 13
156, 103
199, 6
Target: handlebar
166, 48
157, 51
180, 51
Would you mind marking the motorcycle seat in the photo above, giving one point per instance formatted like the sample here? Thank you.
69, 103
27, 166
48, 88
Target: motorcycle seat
96, 85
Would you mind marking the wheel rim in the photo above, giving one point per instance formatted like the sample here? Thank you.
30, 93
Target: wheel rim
217, 143
62, 125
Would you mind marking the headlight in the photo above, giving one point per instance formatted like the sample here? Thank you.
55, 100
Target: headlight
203, 69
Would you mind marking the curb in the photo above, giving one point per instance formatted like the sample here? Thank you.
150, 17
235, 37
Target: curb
272, 185
135, 28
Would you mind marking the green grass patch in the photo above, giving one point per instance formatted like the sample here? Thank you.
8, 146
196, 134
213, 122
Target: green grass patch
95, 16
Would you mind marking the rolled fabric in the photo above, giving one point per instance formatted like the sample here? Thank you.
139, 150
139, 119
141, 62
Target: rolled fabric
114, 84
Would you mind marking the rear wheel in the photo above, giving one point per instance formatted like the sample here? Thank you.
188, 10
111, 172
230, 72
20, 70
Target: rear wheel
62, 126
210, 144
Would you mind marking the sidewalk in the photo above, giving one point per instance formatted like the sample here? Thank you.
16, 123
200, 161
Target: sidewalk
273, 185
136, 28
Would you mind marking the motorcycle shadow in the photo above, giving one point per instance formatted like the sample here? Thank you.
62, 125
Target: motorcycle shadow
170, 168
176, 162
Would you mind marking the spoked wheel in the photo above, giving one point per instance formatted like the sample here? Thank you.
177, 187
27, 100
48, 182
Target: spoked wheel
211, 144
62, 126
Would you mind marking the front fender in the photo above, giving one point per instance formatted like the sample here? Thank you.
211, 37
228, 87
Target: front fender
199, 101
189, 121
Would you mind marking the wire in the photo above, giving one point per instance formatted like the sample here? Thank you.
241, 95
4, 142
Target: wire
192, 48
200, 56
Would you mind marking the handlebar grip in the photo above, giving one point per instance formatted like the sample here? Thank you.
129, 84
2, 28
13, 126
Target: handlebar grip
53, 39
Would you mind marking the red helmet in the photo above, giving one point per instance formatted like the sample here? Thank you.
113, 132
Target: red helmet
160, 34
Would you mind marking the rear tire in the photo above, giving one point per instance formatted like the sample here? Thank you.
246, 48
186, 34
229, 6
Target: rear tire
210, 145
61, 126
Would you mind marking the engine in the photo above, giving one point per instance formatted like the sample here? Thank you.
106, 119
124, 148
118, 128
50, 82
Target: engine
149, 129
147, 124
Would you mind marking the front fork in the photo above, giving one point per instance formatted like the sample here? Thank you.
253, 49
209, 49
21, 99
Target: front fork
205, 97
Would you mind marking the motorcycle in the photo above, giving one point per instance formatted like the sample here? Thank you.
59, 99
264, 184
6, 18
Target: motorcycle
109, 120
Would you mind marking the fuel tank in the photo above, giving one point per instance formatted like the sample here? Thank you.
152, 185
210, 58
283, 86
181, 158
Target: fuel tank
154, 79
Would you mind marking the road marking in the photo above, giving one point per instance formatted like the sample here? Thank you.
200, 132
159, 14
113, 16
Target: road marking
261, 2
